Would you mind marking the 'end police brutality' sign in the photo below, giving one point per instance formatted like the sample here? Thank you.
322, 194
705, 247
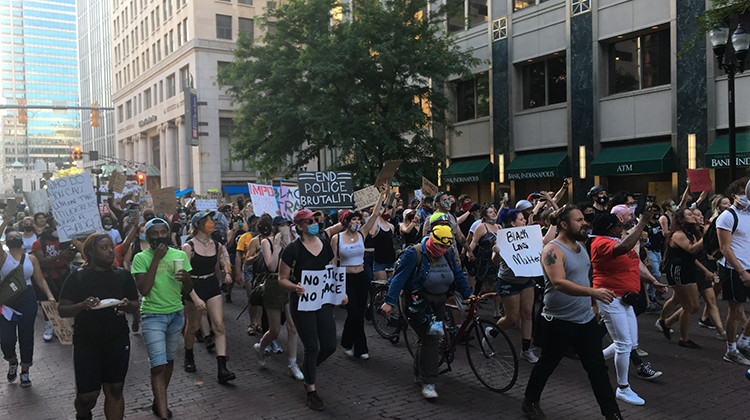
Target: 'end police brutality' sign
521, 249
326, 190
322, 287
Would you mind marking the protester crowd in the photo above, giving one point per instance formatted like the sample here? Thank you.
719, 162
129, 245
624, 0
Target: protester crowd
605, 261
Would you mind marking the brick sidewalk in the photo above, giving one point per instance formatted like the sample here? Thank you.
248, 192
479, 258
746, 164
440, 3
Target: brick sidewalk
696, 384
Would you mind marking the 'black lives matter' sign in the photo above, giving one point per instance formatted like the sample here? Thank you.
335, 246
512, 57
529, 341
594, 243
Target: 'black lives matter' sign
326, 190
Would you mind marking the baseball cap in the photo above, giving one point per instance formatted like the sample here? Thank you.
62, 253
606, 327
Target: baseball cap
442, 234
303, 214
279, 220
438, 217
523, 205
620, 210
200, 215
414, 201
155, 222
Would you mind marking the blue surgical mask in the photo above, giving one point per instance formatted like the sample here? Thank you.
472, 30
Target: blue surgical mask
142, 237
743, 201
313, 230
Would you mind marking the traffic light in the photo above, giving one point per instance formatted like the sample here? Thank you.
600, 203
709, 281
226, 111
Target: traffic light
77, 153
22, 116
141, 179
95, 115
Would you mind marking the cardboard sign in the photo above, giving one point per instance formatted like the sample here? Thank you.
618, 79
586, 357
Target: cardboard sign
205, 204
146, 202
73, 203
428, 188
117, 181
366, 198
288, 201
700, 180
37, 200
165, 201
60, 325
322, 287
418, 194
264, 199
386, 174
236, 198
521, 249
326, 190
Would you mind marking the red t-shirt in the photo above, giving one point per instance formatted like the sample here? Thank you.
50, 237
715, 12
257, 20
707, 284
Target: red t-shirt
619, 274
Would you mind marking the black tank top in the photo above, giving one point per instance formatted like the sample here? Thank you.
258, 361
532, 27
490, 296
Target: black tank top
203, 265
383, 244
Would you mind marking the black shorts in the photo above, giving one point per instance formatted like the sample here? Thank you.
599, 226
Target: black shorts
678, 275
732, 287
700, 280
98, 362
206, 288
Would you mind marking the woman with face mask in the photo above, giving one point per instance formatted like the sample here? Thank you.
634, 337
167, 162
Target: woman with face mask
670, 208
20, 331
382, 241
108, 224
205, 258
29, 234
349, 248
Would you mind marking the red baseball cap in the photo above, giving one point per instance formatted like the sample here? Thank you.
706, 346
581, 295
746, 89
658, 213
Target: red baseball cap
303, 214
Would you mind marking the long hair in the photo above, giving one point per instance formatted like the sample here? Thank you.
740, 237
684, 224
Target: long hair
715, 202
679, 224
89, 244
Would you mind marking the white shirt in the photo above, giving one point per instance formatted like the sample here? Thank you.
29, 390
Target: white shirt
28, 242
740, 237
475, 225
115, 234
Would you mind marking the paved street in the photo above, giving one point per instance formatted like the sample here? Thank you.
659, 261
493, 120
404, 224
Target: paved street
696, 384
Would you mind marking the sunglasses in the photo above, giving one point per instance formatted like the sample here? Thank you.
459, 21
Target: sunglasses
308, 222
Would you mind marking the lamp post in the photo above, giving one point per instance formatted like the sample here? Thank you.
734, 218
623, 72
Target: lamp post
719, 37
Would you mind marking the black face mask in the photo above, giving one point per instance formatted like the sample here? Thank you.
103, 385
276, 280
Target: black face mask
154, 242
601, 200
14, 242
589, 217
28, 228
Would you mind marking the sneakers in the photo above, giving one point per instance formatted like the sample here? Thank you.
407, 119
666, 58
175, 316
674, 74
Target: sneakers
529, 356
485, 346
721, 336
189, 363
314, 402
12, 372
428, 391
349, 352
25, 381
48, 332
662, 326
532, 410
640, 352
645, 372
690, 344
275, 347
295, 372
261, 355
707, 323
736, 357
364, 356
627, 395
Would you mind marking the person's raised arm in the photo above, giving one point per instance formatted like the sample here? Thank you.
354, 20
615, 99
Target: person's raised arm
683, 200
561, 192
624, 246
369, 227
553, 261
680, 239
129, 238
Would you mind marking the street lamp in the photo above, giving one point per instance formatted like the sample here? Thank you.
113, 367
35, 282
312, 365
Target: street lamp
719, 37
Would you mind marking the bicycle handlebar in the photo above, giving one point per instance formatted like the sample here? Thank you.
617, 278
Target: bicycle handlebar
481, 297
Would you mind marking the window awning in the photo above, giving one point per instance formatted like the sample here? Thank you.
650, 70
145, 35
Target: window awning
468, 171
539, 165
636, 159
236, 189
149, 170
718, 155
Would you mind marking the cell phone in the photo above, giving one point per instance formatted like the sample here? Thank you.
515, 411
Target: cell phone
505, 196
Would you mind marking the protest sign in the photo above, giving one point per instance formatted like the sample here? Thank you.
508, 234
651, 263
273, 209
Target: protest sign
146, 201
289, 201
165, 201
700, 180
322, 287
386, 174
117, 181
264, 199
205, 204
326, 190
418, 194
236, 198
521, 248
37, 200
60, 325
366, 197
428, 188
73, 203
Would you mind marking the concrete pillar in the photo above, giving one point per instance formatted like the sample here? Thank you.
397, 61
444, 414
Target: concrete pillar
166, 179
142, 148
186, 173
162, 160
129, 148
174, 165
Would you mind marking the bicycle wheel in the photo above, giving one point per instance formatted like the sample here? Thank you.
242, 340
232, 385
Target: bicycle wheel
492, 356
385, 325
410, 337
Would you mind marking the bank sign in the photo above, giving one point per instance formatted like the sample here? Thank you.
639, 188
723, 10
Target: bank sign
460, 179
531, 175
722, 161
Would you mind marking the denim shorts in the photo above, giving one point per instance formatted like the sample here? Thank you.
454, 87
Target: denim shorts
505, 289
161, 334
376, 266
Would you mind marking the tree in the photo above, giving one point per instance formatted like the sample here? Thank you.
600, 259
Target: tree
365, 79
721, 11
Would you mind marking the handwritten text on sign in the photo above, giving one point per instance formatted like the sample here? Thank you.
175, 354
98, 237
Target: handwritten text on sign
521, 249
264, 199
74, 206
288, 201
326, 190
322, 287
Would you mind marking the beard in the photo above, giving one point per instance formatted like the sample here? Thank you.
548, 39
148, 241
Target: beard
578, 235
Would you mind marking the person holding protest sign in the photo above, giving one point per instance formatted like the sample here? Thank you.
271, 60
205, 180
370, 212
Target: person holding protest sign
101, 343
162, 275
425, 278
317, 329
205, 258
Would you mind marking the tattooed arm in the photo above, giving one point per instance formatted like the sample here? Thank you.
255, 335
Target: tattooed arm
553, 261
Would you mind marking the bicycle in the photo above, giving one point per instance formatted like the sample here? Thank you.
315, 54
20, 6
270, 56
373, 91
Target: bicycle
390, 326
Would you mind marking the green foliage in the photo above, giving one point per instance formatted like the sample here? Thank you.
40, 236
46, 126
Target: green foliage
314, 84
720, 11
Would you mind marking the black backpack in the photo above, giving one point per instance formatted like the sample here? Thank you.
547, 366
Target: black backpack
418, 248
711, 238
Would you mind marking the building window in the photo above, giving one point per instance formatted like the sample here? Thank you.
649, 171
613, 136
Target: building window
170, 86
247, 2
464, 14
179, 34
128, 110
184, 30
147, 99
544, 82
579, 7
500, 28
226, 126
184, 78
473, 98
119, 114
223, 27
246, 26
161, 91
640, 62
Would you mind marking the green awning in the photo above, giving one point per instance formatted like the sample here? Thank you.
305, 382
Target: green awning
539, 165
637, 159
718, 155
468, 171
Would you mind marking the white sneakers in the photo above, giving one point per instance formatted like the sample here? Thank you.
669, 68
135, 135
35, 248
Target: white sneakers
627, 395
261, 355
529, 356
48, 331
349, 352
295, 372
428, 391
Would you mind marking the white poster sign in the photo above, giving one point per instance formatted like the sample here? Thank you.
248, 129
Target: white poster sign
264, 199
521, 249
73, 203
289, 201
205, 204
322, 287
418, 194
37, 200
366, 197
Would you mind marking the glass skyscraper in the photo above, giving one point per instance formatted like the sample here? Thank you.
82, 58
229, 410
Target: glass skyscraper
39, 59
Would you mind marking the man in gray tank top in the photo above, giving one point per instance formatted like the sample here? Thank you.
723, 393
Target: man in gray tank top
568, 317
